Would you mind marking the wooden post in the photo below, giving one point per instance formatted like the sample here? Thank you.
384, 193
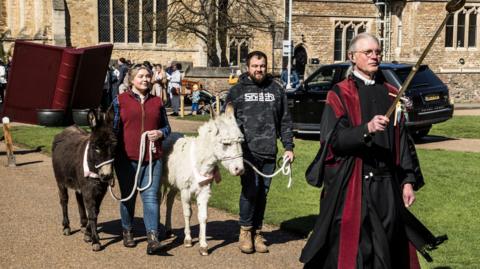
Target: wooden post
182, 105
217, 100
8, 142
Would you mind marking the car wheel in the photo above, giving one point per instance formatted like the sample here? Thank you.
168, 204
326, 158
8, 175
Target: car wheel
418, 134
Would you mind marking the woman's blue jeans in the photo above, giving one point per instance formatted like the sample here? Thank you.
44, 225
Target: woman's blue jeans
125, 170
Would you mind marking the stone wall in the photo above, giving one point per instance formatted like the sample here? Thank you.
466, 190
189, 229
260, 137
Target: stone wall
315, 20
464, 88
213, 79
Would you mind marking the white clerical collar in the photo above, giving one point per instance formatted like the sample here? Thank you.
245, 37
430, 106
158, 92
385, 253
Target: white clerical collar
367, 81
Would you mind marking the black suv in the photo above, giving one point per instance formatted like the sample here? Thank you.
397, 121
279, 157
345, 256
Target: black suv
428, 95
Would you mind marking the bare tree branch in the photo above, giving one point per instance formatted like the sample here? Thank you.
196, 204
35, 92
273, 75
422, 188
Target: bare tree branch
213, 20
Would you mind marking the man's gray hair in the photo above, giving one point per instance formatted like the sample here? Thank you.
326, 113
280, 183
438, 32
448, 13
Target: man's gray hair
353, 46
353, 43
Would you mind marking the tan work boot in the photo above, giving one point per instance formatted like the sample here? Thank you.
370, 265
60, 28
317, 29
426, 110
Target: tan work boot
259, 243
245, 239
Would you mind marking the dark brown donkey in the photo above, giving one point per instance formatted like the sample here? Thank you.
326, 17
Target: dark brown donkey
83, 162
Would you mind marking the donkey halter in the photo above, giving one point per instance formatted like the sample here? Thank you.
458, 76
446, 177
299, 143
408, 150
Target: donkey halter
229, 141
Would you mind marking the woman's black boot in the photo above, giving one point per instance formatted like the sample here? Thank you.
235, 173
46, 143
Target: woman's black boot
154, 245
128, 239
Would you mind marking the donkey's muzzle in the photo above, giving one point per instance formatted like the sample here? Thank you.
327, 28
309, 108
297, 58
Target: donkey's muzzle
107, 179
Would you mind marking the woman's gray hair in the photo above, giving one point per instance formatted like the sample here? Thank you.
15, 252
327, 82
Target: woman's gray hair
353, 47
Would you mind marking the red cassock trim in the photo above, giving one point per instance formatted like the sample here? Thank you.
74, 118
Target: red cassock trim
351, 215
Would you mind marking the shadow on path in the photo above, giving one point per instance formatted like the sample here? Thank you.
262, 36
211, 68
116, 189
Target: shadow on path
432, 138
300, 226
23, 151
219, 234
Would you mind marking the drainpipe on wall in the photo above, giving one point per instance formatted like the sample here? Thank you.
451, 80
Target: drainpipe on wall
384, 26
59, 23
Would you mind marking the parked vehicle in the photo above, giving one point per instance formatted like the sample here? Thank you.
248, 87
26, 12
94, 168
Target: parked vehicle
427, 97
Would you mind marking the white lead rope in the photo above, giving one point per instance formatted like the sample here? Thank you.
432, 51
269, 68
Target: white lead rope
286, 170
139, 166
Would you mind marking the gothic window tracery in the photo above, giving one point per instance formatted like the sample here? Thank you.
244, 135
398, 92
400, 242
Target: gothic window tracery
345, 31
461, 30
238, 50
132, 21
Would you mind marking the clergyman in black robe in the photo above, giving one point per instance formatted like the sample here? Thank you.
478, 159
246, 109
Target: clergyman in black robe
364, 221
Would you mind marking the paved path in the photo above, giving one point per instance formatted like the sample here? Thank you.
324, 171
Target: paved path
31, 231
440, 142
445, 143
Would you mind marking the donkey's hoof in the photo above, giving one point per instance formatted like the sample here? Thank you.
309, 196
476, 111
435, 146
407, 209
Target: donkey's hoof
187, 243
96, 247
66, 231
203, 251
87, 238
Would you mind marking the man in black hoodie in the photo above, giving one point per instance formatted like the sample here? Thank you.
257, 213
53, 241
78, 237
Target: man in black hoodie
262, 114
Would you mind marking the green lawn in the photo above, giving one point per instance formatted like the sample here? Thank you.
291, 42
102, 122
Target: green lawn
458, 127
205, 117
446, 204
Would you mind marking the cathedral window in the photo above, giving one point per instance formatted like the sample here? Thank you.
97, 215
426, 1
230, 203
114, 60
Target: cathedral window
461, 30
132, 21
344, 33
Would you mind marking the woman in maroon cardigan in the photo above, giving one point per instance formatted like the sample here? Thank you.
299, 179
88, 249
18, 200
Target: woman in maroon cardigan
136, 112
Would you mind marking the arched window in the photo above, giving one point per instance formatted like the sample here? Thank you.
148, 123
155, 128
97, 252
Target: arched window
345, 31
233, 55
132, 21
461, 30
238, 50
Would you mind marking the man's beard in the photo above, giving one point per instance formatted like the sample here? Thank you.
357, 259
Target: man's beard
255, 80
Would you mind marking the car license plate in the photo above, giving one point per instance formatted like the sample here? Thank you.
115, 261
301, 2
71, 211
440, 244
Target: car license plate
432, 97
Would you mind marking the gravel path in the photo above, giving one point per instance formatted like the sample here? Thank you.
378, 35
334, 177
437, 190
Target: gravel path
32, 233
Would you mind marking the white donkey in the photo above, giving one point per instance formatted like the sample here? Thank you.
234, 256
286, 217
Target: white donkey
191, 166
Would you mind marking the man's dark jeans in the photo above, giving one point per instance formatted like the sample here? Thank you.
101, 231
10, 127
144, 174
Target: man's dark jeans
253, 198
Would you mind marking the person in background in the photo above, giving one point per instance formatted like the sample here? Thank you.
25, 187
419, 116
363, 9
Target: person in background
107, 98
294, 80
195, 99
3, 81
159, 78
137, 111
175, 80
122, 73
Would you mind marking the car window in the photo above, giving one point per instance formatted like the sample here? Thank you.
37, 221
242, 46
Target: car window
423, 78
322, 81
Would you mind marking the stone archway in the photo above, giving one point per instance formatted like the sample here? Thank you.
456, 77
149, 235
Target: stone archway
300, 60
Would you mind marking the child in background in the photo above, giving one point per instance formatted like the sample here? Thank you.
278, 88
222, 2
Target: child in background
195, 99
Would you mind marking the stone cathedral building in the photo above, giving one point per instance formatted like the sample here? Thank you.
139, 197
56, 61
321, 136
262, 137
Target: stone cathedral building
321, 31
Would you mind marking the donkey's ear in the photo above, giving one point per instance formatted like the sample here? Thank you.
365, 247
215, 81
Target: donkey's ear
92, 118
229, 110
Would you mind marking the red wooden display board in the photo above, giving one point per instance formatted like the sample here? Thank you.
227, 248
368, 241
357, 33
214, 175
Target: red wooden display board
47, 77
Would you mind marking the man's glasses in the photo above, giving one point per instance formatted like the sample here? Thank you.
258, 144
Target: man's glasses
369, 53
